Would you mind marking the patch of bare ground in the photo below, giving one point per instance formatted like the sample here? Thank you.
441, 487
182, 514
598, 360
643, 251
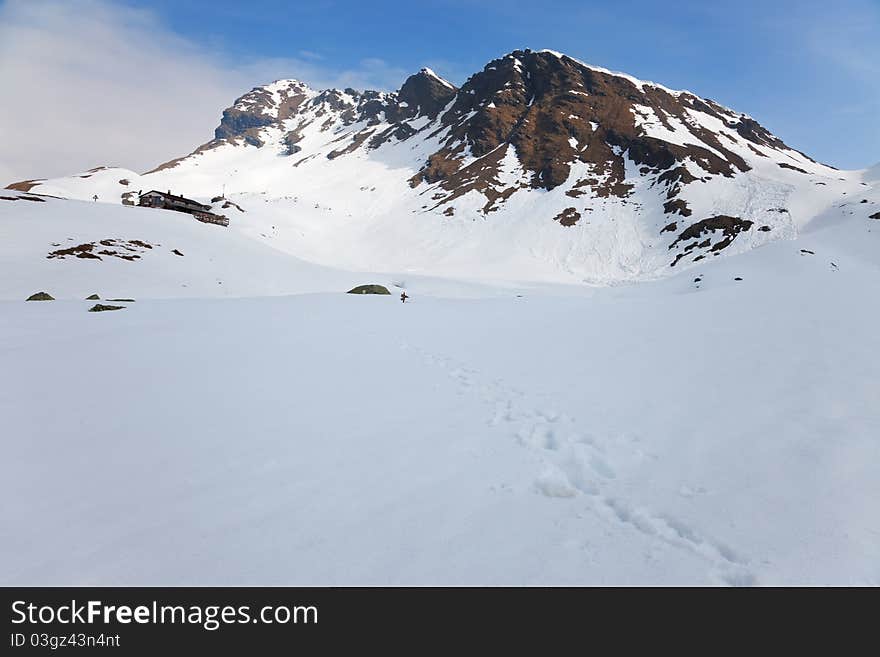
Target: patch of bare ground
568, 217
677, 206
114, 248
22, 198
784, 165
729, 227
25, 185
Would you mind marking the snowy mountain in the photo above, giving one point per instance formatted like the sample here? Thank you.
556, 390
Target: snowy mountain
539, 168
243, 421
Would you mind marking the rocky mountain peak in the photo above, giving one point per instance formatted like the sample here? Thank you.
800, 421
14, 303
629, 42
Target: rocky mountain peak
426, 92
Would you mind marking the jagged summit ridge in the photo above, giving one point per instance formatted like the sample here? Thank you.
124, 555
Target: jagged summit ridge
508, 101
430, 73
636, 81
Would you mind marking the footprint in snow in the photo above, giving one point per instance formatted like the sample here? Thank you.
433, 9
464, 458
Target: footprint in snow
577, 466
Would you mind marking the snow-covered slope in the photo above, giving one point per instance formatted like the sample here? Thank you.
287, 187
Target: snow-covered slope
538, 168
718, 431
75, 248
72, 248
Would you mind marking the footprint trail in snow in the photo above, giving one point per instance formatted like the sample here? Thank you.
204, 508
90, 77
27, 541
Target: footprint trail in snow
578, 464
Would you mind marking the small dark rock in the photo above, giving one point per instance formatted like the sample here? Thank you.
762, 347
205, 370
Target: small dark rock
41, 296
369, 289
122, 300
100, 307
789, 166
176, 252
92, 297
738, 278
808, 251
764, 229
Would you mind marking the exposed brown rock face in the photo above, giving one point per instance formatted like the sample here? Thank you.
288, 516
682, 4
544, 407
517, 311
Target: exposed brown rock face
123, 249
425, 94
729, 227
78, 251
23, 198
785, 165
677, 206
290, 106
555, 112
24, 185
756, 133
568, 217
237, 123
258, 109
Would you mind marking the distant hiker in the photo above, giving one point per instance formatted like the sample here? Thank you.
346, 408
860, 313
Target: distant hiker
403, 297
95, 198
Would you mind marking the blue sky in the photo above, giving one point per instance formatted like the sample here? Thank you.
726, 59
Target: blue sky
808, 70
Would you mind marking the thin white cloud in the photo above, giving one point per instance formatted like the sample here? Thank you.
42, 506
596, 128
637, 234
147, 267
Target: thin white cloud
844, 39
90, 82
849, 40
371, 73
